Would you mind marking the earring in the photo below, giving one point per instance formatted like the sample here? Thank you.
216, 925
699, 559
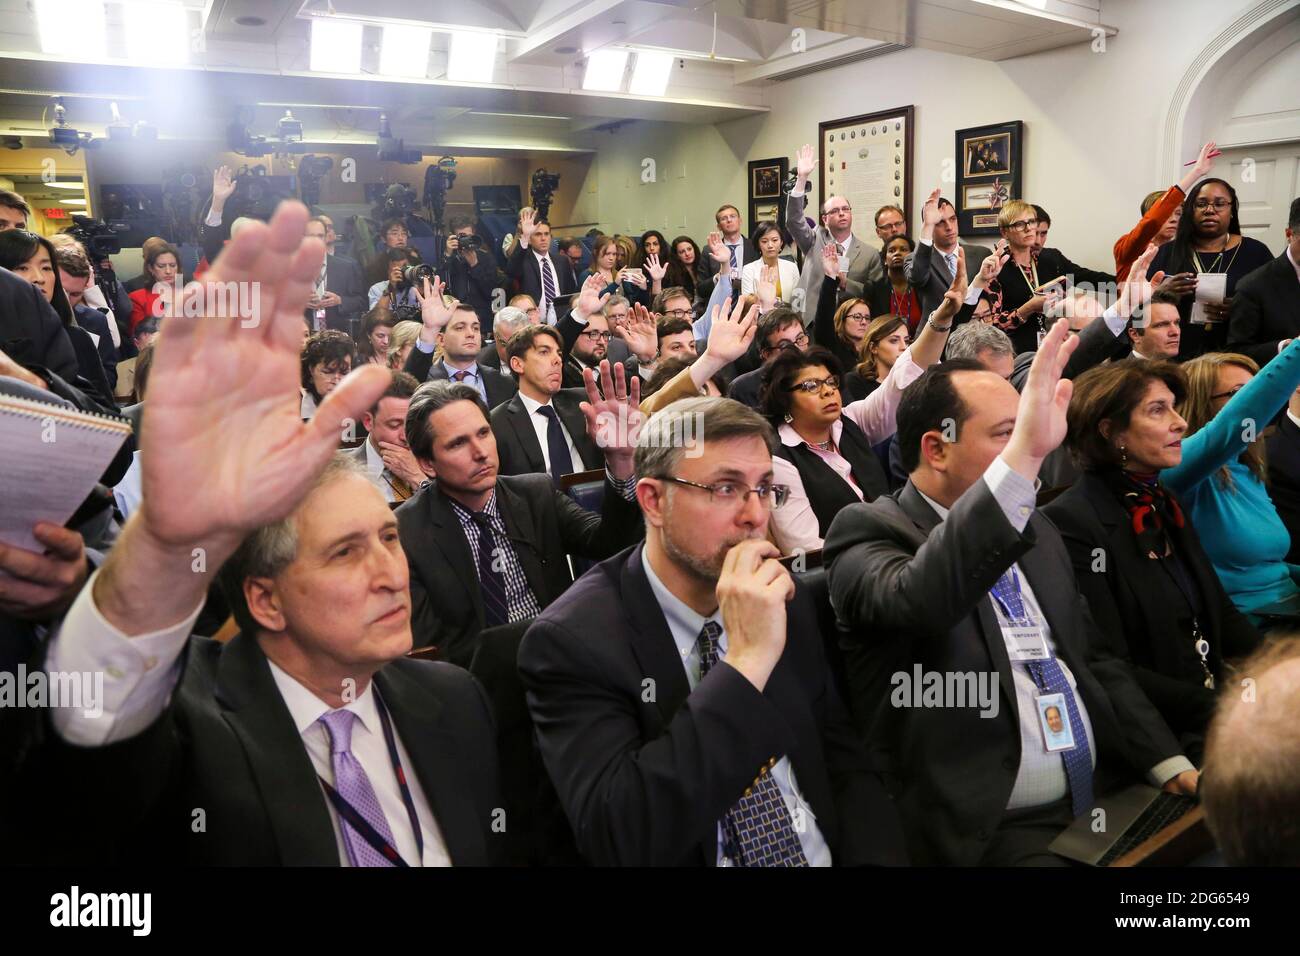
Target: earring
1123, 456
789, 418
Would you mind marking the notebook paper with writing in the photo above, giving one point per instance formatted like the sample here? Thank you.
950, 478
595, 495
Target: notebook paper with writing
51, 455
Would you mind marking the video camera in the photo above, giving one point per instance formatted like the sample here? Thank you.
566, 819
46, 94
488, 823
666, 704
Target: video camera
415, 275
101, 239
542, 188
256, 194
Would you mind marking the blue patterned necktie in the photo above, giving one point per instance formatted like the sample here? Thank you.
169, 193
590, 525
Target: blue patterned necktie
491, 582
758, 830
353, 785
1050, 679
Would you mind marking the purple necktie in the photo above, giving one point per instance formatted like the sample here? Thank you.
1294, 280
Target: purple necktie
353, 785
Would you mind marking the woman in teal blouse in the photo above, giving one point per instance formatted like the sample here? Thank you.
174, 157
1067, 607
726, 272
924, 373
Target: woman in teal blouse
1220, 479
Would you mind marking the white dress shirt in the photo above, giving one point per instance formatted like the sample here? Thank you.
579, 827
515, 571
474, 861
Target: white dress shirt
540, 425
685, 625
376, 467
141, 673
786, 270
1040, 778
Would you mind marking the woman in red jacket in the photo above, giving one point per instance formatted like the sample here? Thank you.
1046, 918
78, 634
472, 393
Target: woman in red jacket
163, 264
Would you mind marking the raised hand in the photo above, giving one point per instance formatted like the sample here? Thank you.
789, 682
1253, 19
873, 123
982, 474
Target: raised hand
1040, 420
1205, 160
766, 289
223, 186
434, 311
655, 269
830, 260
1135, 293
224, 449
592, 297
930, 214
805, 161
989, 268
638, 331
614, 420
730, 335
527, 226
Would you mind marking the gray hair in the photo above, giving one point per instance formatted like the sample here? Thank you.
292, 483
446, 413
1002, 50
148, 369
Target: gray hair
614, 302
429, 398
268, 550
694, 422
508, 321
969, 339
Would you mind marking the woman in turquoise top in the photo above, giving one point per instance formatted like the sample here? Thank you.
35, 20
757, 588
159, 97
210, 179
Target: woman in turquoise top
1220, 479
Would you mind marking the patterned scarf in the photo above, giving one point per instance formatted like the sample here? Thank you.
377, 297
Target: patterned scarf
1149, 507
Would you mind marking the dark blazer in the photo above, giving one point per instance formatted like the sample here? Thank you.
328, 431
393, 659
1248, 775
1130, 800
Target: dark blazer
911, 591
747, 388
1284, 479
343, 278
500, 388
30, 330
573, 371
706, 270
522, 267
644, 778
227, 743
545, 525
517, 445
473, 286
1015, 290
1265, 310
1131, 624
92, 320
927, 271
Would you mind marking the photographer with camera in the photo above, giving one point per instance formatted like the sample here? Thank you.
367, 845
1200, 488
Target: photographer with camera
468, 269
396, 292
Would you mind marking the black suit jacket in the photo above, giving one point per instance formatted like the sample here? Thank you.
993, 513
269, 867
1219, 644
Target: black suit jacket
343, 278
1016, 292
910, 590
500, 388
227, 744
1265, 310
523, 268
544, 524
1092, 521
645, 778
517, 446
1284, 479
706, 271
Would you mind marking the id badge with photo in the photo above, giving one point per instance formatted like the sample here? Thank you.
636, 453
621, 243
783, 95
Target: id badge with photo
1025, 642
1054, 721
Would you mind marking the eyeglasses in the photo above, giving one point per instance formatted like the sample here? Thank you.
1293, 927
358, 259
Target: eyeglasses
597, 336
859, 316
729, 492
1024, 224
833, 211
1227, 394
675, 313
816, 385
800, 343
1216, 204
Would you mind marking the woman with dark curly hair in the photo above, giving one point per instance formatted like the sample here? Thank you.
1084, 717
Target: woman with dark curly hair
326, 358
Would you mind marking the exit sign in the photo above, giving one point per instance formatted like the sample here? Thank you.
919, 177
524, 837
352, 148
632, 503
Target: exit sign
56, 213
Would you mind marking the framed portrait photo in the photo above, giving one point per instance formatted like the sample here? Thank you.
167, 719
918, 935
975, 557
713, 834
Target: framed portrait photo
766, 177
989, 174
868, 160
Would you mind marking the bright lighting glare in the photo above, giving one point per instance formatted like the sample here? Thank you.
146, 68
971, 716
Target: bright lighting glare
605, 70
335, 46
650, 74
71, 27
405, 51
66, 184
72, 202
473, 57
157, 33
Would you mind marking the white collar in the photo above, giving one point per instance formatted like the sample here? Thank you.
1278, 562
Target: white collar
306, 708
531, 405
1291, 415
684, 622
793, 439
374, 461
943, 512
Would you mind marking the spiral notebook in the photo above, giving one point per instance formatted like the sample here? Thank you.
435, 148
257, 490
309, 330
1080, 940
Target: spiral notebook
51, 455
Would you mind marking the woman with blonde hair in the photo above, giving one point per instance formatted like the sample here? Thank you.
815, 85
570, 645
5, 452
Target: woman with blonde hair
885, 340
400, 342
1220, 479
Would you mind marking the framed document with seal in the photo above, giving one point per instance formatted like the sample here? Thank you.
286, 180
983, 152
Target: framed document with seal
867, 160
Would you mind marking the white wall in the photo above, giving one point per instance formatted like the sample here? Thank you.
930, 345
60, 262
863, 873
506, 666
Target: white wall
1094, 126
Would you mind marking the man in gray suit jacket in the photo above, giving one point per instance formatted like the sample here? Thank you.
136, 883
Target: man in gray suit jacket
930, 268
860, 264
956, 576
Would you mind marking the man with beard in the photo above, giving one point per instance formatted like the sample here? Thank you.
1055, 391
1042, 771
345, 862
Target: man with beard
589, 347
679, 723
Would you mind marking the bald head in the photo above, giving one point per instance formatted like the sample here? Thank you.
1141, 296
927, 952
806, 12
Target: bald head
1251, 782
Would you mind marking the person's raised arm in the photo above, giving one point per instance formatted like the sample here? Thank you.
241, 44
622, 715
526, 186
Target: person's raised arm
928, 347
805, 163
730, 334
1040, 417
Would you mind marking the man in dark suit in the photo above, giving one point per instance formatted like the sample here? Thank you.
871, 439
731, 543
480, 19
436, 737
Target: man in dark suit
544, 275
306, 740
488, 549
339, 297
1284, 472
679, 690
456, 329
469, 270
590, 339
931, 267
955, 579
1266, 306
735, 242
780, 329
542, 428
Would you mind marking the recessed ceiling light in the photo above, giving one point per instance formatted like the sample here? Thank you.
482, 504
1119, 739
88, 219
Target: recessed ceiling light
250, 21
66, 184
73, 202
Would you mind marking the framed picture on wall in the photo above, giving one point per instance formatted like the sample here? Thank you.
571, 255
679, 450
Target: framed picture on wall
989, 174
868, 160
765, 179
